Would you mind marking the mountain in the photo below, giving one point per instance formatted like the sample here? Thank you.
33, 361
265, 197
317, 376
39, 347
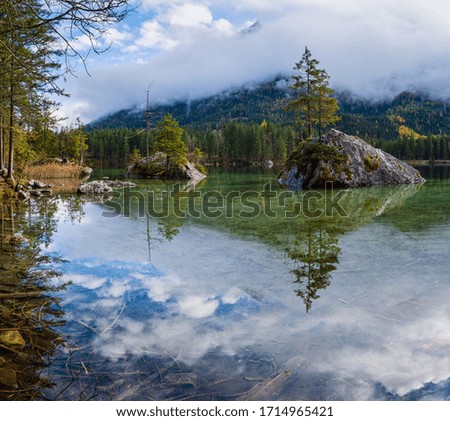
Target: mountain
266, 101
250, 103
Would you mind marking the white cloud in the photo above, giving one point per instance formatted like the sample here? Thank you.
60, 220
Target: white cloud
197, 306
190, 15
117, 37
223, 26
153, 35
192, 49
82, 43
86, 281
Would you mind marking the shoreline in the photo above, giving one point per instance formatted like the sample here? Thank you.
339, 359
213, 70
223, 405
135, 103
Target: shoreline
428, 162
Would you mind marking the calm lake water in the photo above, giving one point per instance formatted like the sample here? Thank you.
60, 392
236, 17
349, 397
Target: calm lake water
339, 295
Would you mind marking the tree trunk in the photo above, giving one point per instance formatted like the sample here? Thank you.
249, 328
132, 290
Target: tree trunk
11, 124
2, 144
11, 131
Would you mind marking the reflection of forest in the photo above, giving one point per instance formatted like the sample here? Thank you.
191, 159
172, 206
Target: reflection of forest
28, 311
313, 249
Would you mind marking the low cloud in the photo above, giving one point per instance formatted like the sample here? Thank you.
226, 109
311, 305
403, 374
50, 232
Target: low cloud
192, 49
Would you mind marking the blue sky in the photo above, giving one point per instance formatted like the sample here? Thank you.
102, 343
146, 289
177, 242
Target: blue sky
195, 48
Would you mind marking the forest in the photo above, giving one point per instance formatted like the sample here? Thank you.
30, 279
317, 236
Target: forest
241, 143
249, 125
37, 49
249, 143
252, 125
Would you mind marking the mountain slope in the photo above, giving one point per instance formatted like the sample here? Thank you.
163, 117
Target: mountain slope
376, 120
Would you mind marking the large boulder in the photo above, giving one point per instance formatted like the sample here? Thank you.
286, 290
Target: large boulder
157, 166
345, 161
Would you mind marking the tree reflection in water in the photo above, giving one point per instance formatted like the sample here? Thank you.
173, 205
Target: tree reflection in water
29, 311
316, 255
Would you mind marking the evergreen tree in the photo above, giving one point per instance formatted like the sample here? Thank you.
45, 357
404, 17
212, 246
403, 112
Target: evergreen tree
30, 32
28, 67
313, 102
168, 139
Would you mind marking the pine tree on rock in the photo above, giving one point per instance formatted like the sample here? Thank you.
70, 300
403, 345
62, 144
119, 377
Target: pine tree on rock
168, 139
313, 102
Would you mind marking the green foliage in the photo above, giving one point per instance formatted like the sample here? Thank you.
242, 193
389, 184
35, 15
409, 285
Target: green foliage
370, 120
27, 74
32, 42
135, 156
111, 148
430, 148
308, 152
313, 102
168, 139
235, 142
196, 158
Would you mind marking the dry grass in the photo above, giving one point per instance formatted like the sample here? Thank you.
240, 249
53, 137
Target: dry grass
53, 170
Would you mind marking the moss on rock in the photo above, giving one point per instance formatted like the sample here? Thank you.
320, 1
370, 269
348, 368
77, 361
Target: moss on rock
309, 155
314, 152
371, 163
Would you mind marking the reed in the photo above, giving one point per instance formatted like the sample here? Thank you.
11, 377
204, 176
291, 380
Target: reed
53, 170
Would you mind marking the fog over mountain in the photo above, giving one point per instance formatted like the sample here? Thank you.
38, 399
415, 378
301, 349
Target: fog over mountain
193, 49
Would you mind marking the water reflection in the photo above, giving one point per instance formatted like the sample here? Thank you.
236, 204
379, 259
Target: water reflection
314, 251
435, 172
316, 254
29, 312
213, 311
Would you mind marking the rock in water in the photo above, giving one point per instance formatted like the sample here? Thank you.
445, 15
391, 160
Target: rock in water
156, 166
12, 339
345, 161
103, 186
95, 187
8, 377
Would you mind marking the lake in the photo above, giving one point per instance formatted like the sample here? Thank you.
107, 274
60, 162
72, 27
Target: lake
236, 289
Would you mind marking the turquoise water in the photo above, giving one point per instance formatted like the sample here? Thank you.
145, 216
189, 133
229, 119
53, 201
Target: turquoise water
346, 292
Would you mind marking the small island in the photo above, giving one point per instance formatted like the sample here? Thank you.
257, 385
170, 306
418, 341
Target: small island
169, 159
344, 161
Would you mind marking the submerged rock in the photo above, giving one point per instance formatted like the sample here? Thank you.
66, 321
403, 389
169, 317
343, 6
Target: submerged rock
345, 161
12, 339
157, 166
8, 377
267, 164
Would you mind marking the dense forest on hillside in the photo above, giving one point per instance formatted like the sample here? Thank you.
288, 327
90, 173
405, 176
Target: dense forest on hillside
251, 125
362, 117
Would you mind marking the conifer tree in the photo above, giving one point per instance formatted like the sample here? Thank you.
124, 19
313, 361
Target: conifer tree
30, 30
313, 102
168, 139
